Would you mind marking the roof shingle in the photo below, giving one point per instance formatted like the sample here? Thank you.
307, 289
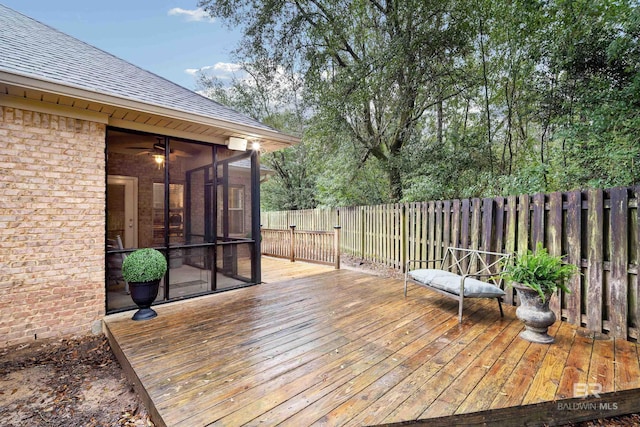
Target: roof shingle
32, 49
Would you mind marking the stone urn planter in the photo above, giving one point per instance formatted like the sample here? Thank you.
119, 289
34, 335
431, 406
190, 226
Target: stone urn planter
143, 269
535, 314
143, 295
536, 276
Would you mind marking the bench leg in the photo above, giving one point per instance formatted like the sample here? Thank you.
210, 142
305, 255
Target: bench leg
500, 305
460, 304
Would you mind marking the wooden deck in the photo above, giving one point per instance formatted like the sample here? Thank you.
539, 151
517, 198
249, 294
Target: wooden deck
338, 347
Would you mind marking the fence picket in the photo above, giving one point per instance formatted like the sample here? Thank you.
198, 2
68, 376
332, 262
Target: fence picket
405, 243
476, 223
523, 223
554, 242
574, 255
487, 225
487, 229
424, 249
634, 294
498, 230
365, 227
446, 225
439, 231
537, 225
512, 224
430, 238
456, 241
410, 231
595, 251
618, 283
510, 233
464, 224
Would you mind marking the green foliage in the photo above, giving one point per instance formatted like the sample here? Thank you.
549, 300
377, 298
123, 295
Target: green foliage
540, 271
293, 185
425, 100
144, 265
370, 69
350, 182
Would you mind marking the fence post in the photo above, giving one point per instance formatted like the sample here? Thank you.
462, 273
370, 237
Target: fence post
403, 237
336, 246
362, 233
292, 252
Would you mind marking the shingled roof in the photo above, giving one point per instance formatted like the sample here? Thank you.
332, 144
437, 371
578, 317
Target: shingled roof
33, 50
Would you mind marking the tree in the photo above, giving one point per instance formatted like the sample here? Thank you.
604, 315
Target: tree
270, 95
450, 99
597, 118
370, 68
293, 186
555, 104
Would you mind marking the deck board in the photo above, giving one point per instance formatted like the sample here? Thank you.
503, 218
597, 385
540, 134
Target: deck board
320, 346
576, 367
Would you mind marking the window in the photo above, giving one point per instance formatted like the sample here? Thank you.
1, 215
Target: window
176, 212
236, 209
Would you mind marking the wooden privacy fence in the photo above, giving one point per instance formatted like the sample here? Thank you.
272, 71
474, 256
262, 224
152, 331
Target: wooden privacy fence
306, 219
597, 230
313, 246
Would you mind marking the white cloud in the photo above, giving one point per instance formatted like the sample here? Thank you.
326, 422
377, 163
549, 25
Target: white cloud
191, 15
227, 67
221, 70
193, 71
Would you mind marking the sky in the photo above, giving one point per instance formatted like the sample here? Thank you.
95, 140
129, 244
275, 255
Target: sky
170, 38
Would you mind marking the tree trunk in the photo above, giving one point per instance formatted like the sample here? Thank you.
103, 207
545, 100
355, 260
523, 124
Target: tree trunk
486, 94
439, 134
395, 184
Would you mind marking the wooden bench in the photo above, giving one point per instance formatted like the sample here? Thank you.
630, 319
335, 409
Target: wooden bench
458, 273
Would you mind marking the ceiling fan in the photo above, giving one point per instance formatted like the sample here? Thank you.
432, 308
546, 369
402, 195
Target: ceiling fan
158, 149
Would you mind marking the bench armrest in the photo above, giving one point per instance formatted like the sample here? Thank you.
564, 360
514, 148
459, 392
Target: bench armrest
464, 276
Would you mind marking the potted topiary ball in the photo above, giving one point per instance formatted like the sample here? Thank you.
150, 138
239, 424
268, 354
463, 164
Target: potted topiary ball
536, 276
143, 269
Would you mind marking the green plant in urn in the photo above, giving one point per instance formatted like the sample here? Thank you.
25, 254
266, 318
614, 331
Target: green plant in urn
536, 276
143, 269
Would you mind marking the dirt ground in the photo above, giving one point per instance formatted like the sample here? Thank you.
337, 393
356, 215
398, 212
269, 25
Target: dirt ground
70, 382
78, 382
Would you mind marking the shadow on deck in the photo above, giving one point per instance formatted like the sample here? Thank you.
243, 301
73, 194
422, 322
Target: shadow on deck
315, 345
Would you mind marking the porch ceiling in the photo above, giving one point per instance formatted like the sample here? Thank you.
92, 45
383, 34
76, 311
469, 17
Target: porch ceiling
47, 97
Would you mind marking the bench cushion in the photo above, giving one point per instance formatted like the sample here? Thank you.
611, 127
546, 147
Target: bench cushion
450, 282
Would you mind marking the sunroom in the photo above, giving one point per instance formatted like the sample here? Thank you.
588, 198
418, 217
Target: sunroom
196, 202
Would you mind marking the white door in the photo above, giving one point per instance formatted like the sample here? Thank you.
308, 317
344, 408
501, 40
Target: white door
122, 209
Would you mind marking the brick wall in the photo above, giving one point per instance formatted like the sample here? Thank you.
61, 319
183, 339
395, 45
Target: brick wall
52, 213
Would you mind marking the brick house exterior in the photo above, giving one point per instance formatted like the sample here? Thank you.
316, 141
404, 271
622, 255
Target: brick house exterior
55, 115
51, 225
